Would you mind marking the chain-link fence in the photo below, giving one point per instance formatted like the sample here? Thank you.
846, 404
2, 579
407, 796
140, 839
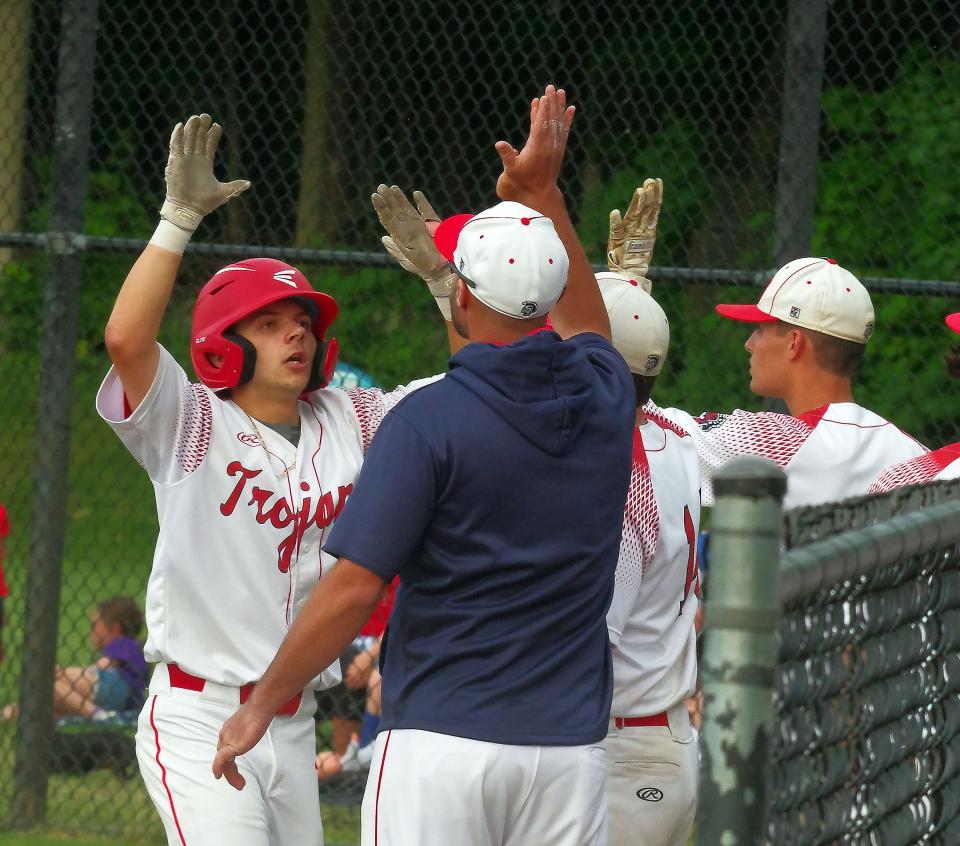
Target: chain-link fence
857, 638
867, 707
779, 130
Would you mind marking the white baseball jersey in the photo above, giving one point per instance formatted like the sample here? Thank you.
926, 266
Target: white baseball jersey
655, 598
830, 453
943, 463
243, 515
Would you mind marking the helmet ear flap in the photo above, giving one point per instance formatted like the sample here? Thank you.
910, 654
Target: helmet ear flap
249, 357
324, 364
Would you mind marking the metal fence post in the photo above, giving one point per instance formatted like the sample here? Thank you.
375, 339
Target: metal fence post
799, 129
799, 137
740, 654
54, 406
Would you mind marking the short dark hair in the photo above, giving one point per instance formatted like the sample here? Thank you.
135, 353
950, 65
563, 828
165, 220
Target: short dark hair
835, 355
121, 611
643, 385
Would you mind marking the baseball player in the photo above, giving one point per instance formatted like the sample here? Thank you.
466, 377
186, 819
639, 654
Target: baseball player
496, 666
811, 326
651, 748
943, 463
250, 468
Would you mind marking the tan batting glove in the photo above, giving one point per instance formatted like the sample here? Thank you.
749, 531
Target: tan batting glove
192, 189
633, 237
411, 244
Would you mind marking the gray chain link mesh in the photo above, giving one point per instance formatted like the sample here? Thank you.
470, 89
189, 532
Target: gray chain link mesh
322, 100
867, 696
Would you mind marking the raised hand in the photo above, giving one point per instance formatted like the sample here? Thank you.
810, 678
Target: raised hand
530, 175
633, 237
192, 189
410, 242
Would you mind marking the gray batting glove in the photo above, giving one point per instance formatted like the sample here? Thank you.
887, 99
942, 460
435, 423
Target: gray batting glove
633, 237
410, 243
192, 189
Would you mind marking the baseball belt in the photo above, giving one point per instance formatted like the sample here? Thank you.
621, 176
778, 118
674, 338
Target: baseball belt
180, 678
653, 720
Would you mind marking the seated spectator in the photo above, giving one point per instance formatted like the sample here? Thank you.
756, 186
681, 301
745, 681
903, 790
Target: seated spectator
359, 751
118, 679
345, 704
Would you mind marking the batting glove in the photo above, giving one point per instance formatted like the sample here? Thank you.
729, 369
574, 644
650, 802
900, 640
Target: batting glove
410, 243
633, 237
192, 189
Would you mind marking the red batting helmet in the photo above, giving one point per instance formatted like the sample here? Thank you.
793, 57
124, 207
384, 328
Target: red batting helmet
237, 291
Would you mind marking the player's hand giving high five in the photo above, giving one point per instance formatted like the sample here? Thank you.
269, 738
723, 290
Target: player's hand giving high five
530, 176
192, 189
633, 237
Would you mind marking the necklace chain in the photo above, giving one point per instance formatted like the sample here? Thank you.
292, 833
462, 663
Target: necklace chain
263, 445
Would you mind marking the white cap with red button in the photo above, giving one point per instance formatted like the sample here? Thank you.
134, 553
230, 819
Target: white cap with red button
815, 293
510, 256
639, 329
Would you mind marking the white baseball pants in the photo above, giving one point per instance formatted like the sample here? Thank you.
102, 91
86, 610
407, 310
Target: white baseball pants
652, 783
430, 789
176, 742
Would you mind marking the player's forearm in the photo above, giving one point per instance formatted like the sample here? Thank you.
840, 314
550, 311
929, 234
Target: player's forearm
138, 311
333, 615
581, 308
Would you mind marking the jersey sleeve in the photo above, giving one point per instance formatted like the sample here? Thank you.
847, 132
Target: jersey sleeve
370, 405
392, 503
721, 437
638, 544
169, 432
915, 471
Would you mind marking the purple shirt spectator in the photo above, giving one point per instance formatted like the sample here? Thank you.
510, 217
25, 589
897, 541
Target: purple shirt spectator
132, 667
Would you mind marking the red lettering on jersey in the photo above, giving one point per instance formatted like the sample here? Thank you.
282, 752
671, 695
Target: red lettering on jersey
233, 468
342, 493
279, 512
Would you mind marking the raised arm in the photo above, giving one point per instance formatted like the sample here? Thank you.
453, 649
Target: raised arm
409, 240
192, 192
530, 177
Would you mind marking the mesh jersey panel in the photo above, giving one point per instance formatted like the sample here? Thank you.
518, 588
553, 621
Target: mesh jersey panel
371, 406
923, 468
641, 523
195, 422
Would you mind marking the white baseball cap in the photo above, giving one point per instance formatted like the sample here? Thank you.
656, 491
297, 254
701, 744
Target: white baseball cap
953, 321
639, 328
815, 293
510, 256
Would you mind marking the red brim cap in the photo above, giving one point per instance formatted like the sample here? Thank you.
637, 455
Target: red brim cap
953, 321
745, 313
447, 234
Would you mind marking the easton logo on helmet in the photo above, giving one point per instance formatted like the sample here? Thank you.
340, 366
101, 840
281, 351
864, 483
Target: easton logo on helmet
285, 276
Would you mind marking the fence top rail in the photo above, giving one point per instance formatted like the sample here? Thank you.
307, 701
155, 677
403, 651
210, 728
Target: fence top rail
73, 242
808, 569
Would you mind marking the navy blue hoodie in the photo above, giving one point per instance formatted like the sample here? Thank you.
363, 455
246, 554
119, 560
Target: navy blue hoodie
497, 494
